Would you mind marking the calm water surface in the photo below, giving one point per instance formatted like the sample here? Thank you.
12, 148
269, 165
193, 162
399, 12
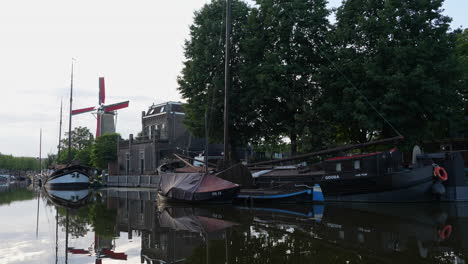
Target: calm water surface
130, 226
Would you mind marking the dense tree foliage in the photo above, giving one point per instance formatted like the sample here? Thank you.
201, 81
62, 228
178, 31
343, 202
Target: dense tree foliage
384, 65
291, 36
104, 150
81, 137
399, 55
462, 56
81, 141
8, 162
202, 79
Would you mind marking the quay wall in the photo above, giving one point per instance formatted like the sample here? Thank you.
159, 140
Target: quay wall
145, 181
131, 194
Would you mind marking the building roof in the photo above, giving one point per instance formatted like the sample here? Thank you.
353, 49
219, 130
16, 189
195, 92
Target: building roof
163, 108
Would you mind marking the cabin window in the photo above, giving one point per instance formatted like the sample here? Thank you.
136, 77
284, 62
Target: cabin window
162, 109
357, 164
338, 167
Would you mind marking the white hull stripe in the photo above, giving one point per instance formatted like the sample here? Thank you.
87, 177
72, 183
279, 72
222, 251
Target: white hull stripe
74, 177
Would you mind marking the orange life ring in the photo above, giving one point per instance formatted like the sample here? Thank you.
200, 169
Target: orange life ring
445, 232
440, 173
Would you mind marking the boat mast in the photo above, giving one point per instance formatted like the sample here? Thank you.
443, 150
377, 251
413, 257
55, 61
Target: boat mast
60, 131
227, 81
70, 118
40, 153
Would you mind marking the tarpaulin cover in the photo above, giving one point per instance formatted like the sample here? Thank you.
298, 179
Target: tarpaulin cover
180, 186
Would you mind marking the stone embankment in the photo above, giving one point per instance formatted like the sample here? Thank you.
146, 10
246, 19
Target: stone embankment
144, 181
131, 194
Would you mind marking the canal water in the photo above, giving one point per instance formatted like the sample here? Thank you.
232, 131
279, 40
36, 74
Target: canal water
130, 226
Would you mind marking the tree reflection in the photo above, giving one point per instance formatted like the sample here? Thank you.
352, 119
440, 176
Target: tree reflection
92, 216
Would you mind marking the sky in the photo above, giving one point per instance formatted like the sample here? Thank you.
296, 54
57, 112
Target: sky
136, 45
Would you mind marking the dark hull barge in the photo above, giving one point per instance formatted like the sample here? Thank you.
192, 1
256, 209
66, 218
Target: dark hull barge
72, 177
375, 177
369, 177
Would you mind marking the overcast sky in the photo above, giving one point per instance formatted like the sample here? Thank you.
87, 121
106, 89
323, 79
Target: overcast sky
136, 45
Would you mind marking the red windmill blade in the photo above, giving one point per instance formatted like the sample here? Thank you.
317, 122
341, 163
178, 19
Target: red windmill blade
83, 110
102, 91
101, 108
116, 106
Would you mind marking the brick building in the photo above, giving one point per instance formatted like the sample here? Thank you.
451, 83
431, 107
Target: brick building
162, 134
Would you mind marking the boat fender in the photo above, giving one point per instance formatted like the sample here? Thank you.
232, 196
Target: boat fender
440, 173
438, 188
445, 232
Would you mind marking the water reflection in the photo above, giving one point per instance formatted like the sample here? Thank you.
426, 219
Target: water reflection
129, 226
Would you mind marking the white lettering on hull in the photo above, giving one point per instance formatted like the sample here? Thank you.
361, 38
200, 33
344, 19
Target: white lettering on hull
332, 177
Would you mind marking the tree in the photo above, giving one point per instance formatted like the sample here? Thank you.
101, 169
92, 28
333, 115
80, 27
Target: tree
9, 162
104, 150
396, 56
84, 156
201, 82
80, 139
63, 158
81, 142
462, 56
50, 160
292, 36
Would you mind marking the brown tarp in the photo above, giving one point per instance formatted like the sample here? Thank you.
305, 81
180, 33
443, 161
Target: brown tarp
180, 186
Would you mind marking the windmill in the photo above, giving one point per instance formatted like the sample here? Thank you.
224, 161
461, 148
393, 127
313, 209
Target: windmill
104, 113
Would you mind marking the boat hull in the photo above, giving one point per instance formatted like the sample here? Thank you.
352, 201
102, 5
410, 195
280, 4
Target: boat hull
403, 186
409, 186
219, 196
70, 178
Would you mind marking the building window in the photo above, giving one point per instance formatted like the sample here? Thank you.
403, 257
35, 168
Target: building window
127, 167
357, 164
162, 109
142, 162
338, 167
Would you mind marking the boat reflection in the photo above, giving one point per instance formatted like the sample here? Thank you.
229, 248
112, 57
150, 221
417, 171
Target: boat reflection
299, 234
330, 233
71, 199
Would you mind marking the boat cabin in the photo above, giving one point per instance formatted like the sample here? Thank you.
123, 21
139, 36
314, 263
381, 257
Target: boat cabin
363, 165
